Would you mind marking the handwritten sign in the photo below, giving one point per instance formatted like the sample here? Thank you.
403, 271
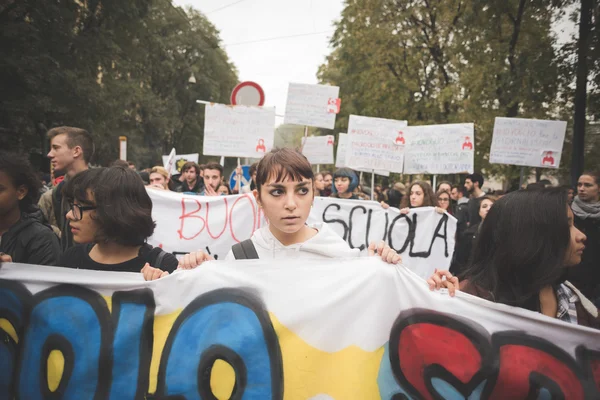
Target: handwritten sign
527, 142
178, 161
340, 157
312, 105
438, 149
318, 149
371, 144
238, 131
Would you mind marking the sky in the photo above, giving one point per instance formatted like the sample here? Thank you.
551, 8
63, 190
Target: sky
274, 63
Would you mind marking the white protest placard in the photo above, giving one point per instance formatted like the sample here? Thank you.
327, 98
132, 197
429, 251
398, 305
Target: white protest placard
178, 161
312, 105
170, 161
354, 328
439, 149
372, 144
186, 223
318, 149
340, 158
527, 142
238, 131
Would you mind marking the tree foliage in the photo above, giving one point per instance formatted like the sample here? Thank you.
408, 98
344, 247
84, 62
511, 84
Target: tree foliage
116, 68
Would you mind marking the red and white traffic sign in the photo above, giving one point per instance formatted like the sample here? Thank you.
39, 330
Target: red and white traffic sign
248, 94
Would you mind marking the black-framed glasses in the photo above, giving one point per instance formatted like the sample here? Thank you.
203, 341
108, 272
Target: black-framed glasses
77, 210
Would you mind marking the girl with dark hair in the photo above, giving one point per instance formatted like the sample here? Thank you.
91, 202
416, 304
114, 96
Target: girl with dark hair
319, 184
443, 200
345, 181
586, 207
525, 244
111, 219
24, 237
420, 194
284, 192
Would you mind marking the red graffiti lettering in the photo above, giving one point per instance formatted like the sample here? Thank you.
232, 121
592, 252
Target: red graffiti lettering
247, 197
224, 224
185, 215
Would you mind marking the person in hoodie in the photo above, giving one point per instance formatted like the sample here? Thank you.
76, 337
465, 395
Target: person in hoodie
24, 237
285, 193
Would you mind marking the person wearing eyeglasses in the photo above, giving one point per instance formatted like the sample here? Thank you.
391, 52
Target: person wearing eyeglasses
443, 200
24, 236
110, 217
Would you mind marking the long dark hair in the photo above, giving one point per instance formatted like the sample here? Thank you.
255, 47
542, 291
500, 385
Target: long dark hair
429, 199
521, 247
21, 173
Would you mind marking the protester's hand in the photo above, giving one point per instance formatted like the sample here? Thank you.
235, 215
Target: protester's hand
443, 279
5, 258
385, 205
194, 259
387, 254
404, 210
157, 186
440, 210
209, 191
239, 172
152, 274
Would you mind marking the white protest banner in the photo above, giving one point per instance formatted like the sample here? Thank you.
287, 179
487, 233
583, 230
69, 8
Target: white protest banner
179, 161
527, 142
371, 144
340, 157
439, 149
318, 149
424, 238
325, 329
238, 131
312, 105
186, 223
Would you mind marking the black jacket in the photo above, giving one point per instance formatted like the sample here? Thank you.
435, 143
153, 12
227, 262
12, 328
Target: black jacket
31, 241
184, 188
464, 249
586, 276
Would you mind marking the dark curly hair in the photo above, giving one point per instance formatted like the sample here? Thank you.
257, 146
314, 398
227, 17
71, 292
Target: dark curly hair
124, 209
21, 173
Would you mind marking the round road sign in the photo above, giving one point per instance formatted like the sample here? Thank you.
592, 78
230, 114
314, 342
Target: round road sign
248, 94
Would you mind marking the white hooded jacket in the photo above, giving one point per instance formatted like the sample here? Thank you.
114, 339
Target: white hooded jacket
325, 244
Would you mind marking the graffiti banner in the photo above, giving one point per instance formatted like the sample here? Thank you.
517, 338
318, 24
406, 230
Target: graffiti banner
185, 223
333, 329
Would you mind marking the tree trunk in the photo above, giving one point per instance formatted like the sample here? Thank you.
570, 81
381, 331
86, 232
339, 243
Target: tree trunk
581, 90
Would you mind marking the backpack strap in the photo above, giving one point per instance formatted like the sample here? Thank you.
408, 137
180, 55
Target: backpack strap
244, 250
153, 256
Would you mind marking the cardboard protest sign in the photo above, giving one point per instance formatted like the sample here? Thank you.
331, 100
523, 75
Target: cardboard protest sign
371, 144
238, 131
312, 105
179, 161
340, 157
438, 149
527, 142
186, 223
318, 149
326, 329
170, 161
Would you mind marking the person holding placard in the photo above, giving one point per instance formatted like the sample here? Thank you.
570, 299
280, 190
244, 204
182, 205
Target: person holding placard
420, 194
284, 192
345, 182
525, 246
586, 208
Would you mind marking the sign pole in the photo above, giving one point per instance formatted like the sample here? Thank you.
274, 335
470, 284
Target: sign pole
318, 168
522, 179
434, 182
373, 185
123, 148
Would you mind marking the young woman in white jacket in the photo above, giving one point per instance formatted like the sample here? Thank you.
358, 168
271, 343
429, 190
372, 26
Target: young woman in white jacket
285, 192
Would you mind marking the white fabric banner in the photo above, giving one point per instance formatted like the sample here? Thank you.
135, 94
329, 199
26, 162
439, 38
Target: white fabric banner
309, 105
439, 149
318, 149
238, 131
329, 329
527, 142
185, 223
179, 161
373, 143
340, 157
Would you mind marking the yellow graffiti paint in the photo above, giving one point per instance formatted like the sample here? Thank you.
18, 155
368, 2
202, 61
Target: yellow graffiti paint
7, 327
56, 367
307, 372
162, 328
222, 380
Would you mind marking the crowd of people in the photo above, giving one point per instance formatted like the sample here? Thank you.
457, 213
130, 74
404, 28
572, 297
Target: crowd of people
537, 248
